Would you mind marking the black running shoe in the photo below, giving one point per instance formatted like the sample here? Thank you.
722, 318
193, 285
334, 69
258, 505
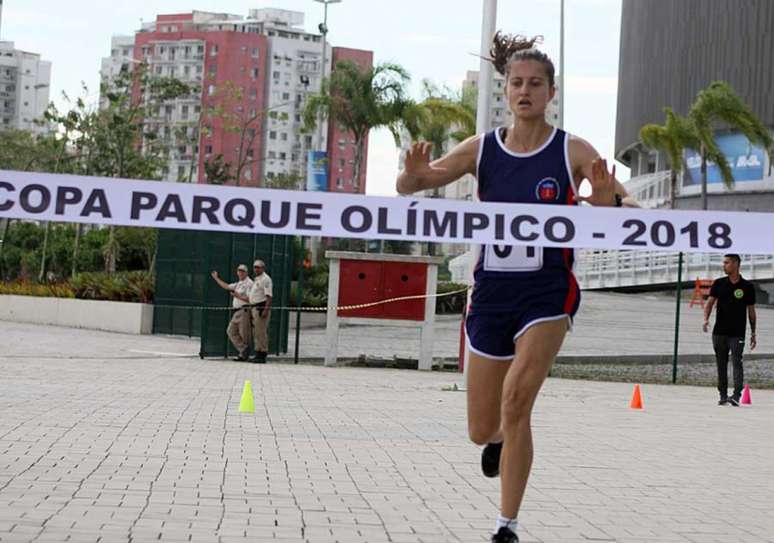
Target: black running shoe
504, 535
734, 402
722, 401
490, 459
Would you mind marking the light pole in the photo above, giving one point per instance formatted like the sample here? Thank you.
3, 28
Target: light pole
323, 27
561, 66
483, 112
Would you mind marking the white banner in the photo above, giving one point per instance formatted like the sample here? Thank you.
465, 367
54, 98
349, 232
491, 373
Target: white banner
99, 200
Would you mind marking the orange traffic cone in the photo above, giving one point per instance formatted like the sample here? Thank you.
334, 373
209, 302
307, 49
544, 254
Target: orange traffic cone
636, 402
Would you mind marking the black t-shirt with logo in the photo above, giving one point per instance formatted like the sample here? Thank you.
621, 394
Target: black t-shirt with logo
733, 299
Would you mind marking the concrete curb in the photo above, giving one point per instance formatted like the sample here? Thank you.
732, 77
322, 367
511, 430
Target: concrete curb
451, 364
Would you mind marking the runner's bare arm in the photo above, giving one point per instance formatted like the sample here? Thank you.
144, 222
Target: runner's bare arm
586, 163
421, 174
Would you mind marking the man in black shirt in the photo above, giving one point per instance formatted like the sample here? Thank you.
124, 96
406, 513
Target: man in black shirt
735, 297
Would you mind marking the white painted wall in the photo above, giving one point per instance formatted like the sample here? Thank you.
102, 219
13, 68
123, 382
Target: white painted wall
128, 318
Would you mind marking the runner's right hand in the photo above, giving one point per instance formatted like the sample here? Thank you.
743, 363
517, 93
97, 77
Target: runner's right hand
417, 163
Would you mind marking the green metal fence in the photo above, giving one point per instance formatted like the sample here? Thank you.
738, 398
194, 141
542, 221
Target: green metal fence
184, 287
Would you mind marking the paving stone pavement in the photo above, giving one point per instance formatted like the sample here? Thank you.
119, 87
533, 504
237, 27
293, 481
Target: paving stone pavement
102, 440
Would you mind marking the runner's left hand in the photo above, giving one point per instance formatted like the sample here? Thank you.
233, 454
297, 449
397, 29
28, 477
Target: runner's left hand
602, 185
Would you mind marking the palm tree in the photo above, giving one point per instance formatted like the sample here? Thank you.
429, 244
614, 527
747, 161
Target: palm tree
718, 103
360, 99
440, 117
673, 138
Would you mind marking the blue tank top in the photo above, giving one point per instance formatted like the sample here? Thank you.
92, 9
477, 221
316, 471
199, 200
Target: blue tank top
542, 176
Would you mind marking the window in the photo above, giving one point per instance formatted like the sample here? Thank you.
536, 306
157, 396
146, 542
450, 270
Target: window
272, 135
272, 154
254, 73
256, 52
213, 70
283, 156
275, 76
339, 182
250, 153
286, 96
342, 163
253, 94
208, 149
210, 90
214, 50
284, 136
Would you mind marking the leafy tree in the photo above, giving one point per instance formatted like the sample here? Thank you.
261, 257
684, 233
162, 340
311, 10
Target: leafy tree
673, 138
718, 103
441, 117
359, 99
126, 136
282, 180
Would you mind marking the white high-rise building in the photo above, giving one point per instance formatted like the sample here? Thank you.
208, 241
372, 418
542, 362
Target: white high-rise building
25, 83
294, 71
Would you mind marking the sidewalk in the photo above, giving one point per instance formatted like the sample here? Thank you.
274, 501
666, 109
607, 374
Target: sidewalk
113, 437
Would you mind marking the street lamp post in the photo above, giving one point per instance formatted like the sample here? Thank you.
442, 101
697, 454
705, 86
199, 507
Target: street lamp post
561, 66
323, 27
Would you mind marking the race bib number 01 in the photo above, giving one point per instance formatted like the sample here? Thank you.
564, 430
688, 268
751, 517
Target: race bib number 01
507, 258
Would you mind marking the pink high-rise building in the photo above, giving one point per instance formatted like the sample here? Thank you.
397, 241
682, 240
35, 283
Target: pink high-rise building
261, 67
341, 144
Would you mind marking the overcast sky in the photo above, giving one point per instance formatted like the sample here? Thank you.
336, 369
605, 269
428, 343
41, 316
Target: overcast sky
433, 39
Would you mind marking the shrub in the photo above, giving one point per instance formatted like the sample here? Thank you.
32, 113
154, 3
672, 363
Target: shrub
134, 286
452, 303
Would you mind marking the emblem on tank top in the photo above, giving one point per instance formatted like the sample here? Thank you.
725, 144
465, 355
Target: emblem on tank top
738, 294
547, 190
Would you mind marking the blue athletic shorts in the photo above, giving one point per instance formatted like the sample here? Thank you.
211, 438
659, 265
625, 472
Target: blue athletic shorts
493, 334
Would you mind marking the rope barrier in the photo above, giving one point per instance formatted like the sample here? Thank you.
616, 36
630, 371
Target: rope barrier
318, 308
